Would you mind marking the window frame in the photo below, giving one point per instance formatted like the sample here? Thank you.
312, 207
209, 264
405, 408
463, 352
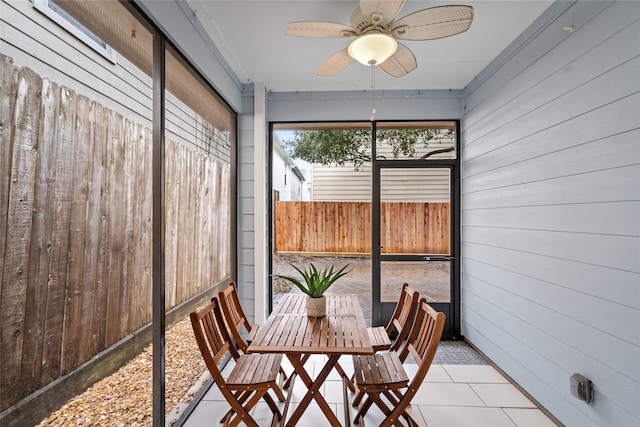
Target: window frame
73, 26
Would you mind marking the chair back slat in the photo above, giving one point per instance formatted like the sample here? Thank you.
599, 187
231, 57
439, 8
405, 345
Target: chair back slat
234, 314
230, 297
424, 338
403, 315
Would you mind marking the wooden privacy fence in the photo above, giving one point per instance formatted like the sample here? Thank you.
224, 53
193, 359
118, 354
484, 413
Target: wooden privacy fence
75, 229
345, 227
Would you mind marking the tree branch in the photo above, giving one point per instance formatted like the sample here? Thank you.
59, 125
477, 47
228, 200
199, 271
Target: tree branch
443, 150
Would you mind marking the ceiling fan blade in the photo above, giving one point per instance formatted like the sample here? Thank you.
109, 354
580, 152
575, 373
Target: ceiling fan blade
318, 29
433, 23
380, 12
335, 63
400, 63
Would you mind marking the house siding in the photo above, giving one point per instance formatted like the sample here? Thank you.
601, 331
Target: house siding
343, 183
246, 230
550, 208
279, 170
33, 40
297, 188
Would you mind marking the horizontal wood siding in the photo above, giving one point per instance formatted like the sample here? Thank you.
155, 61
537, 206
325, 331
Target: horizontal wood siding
550, 208
343, 183
34, 41
278, 172
345, 227
75, 229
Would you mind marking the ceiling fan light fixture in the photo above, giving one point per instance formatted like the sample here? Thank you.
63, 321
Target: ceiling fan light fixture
372, 49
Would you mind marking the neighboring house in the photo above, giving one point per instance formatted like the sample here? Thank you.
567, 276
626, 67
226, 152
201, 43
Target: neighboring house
289, 180
345, 183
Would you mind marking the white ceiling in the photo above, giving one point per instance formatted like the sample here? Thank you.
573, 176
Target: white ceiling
250, 36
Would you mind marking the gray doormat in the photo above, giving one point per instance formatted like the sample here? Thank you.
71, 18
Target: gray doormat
457, 353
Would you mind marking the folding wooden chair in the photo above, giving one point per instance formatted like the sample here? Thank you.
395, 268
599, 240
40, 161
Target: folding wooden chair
400, 322
252, 376
236, 320
235, 317
382, 377
399, 325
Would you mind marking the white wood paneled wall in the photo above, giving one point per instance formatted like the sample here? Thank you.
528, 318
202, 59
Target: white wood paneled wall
551, 211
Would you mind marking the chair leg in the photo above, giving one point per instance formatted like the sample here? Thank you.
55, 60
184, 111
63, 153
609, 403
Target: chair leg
272, 404
240, 397
357, 398
278, 391
345, 396
243, 414
283, 374
393, 416
359, 418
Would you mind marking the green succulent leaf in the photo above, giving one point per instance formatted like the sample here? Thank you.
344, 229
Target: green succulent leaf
315, 282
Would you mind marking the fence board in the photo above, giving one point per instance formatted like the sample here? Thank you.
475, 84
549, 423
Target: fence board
115, 228
141, 259
19, 209
90, 277
39, 251
128, 204
102, 144
8, 94
64, 135
77, 233
53, 300
345, 227
172, 194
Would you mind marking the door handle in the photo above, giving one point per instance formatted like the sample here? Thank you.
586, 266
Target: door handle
438, 258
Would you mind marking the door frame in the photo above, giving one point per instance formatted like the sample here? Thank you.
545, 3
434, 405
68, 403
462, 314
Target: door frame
381, 312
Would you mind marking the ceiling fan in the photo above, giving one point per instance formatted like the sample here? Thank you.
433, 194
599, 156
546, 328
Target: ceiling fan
376, 30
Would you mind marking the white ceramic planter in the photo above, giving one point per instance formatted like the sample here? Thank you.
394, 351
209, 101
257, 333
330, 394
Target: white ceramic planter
317, 307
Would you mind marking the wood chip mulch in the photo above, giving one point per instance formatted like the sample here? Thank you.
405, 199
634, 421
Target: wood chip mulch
125, 397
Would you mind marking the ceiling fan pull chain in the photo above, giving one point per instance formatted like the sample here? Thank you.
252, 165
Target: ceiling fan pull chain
373, 91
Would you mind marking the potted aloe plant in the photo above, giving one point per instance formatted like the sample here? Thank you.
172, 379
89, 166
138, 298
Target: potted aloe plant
314, 284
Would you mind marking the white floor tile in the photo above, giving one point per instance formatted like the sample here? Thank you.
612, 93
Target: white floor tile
213, 393
446, 394
346, 364
207, 413
479, 397
333, 392
299, 390
314, 417
502, 396
437, 374
529, 417
444, 416
475, 374
375, 417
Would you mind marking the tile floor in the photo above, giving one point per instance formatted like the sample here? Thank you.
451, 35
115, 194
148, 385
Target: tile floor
452, 395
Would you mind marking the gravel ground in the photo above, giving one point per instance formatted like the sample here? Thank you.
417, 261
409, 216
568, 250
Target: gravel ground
125, 397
